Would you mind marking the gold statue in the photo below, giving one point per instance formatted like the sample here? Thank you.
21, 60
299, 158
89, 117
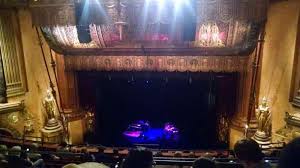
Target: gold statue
263, 116
49, 105
52, 130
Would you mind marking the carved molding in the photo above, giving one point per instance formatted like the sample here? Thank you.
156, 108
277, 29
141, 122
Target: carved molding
240, 38
61, 12
13, 3
292, 119
225, 10
12, 54
157, 63
291, 129
52, 13
75, 116
11, 107
125, 26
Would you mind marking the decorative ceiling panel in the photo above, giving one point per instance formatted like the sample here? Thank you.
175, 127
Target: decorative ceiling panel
13, 3
230, 26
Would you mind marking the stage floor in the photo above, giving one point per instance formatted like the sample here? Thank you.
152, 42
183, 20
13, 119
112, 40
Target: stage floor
140, 132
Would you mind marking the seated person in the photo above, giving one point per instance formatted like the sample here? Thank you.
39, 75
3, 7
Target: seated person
3, 150
138, 159
204, 163
3, 161
289, 156
87, 156
19, 159
13, 157
249, 154
63, 147
86, 165
33, 152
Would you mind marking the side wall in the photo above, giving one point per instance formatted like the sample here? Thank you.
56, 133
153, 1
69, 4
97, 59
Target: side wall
278, 57
277, 62
37, 79
37, 83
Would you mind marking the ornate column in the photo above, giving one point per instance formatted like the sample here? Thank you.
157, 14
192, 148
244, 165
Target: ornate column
244, 100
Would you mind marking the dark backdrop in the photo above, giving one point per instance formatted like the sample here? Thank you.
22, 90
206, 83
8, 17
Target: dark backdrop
185, 99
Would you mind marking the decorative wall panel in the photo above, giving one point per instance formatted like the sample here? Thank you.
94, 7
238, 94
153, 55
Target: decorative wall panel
224, 24
235, 38
129, 11
157, 63
12, 54
50, 12
227, 10
13, 3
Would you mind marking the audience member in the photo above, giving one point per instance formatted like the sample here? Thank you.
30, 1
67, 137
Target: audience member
3, 161
250, 154
204, 163
86, 165
15, 151
25, 160
19, 159
3, 150
289, 157
88, 156
138, 159
33, 154
3, 156
13, 157
71, 165
63, 147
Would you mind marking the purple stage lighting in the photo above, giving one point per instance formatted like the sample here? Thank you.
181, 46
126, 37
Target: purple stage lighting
170, 128
141, 132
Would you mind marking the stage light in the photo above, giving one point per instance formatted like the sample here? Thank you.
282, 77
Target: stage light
160, 2
179, 2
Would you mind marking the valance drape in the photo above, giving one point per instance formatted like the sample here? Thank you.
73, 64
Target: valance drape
157, 63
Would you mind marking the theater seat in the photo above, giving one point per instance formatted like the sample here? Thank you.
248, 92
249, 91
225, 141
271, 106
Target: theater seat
228, 165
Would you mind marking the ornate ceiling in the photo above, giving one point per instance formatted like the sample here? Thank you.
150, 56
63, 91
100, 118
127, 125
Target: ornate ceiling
134, 27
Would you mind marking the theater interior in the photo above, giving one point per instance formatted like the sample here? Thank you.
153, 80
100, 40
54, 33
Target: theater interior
181, 78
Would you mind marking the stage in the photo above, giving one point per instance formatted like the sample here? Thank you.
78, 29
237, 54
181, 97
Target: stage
166, 110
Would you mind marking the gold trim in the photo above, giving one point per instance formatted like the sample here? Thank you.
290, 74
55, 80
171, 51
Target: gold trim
11, 107
157, 63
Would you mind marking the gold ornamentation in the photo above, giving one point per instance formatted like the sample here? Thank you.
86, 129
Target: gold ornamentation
209, 36
13, 118
49, 104
263, 115
158, 63
28, 126
53, 129
12, 56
